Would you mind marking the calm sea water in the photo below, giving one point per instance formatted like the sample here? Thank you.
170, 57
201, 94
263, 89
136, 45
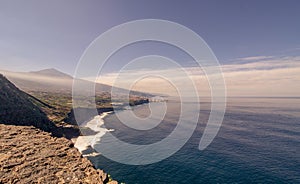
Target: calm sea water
259, 142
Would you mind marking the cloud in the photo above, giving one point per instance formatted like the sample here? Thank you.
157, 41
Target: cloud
269, 76
265, 64
254, 58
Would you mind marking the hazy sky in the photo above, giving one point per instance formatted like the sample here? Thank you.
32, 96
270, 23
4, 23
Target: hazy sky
53, 34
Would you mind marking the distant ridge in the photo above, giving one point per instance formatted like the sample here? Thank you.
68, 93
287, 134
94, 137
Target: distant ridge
51, 72
53, 80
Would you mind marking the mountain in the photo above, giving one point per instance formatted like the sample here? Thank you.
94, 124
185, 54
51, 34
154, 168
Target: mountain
52, 80
51, 72
17, 108
49, 80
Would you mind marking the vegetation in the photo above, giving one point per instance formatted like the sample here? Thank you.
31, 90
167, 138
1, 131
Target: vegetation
50, 100
58, 106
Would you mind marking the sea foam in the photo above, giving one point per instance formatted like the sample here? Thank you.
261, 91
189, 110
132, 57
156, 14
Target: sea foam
85, 142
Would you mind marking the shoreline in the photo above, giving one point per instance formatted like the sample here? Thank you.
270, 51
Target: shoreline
86, 142
103, 112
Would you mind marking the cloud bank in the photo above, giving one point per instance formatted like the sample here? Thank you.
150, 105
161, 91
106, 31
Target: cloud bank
254, 76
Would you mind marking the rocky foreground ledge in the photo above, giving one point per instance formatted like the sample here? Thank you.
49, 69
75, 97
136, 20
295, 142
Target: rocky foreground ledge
29, 155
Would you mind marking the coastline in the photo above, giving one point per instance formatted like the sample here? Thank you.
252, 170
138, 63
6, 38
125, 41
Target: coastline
95, 128
84, 143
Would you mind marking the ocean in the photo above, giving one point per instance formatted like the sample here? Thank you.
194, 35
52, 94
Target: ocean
258, 142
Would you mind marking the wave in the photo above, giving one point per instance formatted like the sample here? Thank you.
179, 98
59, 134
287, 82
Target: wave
86, 143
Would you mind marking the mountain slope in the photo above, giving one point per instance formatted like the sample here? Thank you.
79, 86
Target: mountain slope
52, 80
48, 80
51, 72
51, 91
17, 109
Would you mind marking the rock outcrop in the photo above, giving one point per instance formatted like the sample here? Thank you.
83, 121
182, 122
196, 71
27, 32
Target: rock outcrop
16, 108
29, 155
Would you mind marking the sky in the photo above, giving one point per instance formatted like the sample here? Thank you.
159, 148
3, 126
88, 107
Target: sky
247, 37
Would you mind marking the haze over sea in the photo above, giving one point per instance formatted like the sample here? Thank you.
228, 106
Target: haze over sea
259, 142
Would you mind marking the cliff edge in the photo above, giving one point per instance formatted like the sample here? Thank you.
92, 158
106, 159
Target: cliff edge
29, 155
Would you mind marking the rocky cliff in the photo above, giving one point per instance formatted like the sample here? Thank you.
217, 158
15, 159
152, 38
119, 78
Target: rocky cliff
29, 155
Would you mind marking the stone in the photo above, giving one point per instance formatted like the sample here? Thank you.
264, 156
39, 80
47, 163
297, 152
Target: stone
28, 155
